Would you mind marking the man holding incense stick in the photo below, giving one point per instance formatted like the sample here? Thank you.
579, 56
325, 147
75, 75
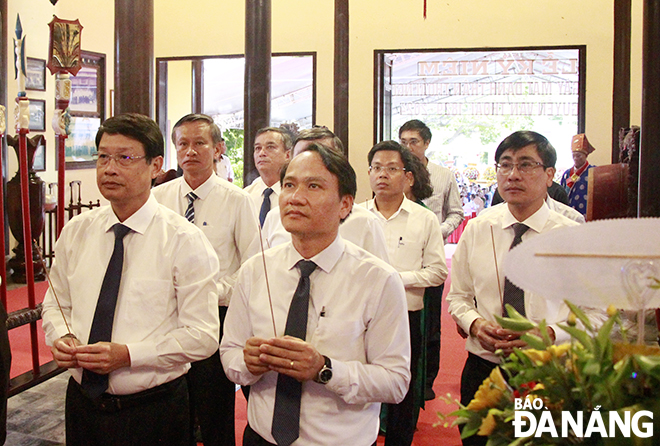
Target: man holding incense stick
525, 163
317, 326
137, 284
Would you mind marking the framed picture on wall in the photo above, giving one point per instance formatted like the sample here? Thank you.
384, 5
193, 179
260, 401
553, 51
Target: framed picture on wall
80, 145
37, 115
36, 74
88, 87
39, 163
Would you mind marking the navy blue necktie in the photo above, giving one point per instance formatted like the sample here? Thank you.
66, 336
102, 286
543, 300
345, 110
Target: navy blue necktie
190, 210
93, 383
512, 294
286, 413
265, 206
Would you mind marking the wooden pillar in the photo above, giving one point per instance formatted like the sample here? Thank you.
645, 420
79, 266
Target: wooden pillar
341, 72
256, 99
197, 86
649, 156
4, 73
621, 75
134, 56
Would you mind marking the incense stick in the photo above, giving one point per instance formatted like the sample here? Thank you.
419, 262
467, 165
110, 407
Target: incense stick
52, 288
497, 272
596, 255
270, 300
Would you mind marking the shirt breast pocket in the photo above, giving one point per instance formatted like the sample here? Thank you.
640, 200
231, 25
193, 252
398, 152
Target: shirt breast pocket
340, 338
145, 304
408, 256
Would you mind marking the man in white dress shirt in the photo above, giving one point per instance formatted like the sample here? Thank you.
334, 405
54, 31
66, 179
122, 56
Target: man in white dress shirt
225, 214
272, 149
128, 334
525, 168
360, 227
416, 249
355, 352
446, 203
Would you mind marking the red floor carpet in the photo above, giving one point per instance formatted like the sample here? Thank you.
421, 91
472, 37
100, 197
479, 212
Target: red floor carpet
430, 430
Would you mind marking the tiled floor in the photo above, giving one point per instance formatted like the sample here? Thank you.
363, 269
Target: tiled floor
35, 417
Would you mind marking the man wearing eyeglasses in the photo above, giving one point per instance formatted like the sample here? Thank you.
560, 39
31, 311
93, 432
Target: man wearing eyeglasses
137, 290
416, 250
446, 204
525, 168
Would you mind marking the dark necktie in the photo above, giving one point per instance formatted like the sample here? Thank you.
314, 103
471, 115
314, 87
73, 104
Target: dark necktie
512, 294
190, 211
265, 206
286, 414
93, 383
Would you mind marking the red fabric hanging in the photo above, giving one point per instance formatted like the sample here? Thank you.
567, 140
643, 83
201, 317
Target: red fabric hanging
424, 9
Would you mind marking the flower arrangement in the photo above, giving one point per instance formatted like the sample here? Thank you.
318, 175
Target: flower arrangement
589, 391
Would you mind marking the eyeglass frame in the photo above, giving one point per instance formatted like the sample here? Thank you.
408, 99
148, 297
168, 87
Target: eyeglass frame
120, 159
390, 170
523, 170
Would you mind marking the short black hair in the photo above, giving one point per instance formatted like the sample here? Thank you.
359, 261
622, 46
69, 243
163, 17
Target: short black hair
138, 127
216, 134
416, 124
523, 138
422, 187
406, 155
336, 164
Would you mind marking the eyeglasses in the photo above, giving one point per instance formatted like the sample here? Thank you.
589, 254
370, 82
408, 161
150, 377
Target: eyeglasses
103, 159
525, 167
410, 142
390, 170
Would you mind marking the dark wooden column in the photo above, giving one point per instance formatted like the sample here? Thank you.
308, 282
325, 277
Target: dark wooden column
649, 156
621, 75
134, 56
256, 99
197, 86
341, 71
4, 73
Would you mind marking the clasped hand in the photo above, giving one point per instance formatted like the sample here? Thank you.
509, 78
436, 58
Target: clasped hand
493, 337
287, 355
101, 357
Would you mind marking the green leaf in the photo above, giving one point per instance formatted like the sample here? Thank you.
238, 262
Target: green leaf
515, 324
580, 315
592, 367
649, 364
580, 335
534, 341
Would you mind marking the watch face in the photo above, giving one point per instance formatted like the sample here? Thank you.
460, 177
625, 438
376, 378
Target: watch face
326, 375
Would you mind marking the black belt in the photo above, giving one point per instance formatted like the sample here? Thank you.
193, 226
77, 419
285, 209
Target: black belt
113, 403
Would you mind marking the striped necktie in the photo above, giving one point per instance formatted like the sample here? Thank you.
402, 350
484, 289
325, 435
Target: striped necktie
512, 294
190, 211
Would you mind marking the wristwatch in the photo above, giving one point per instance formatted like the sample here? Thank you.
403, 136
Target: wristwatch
325, 374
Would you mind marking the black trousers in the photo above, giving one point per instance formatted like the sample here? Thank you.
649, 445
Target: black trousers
476, 369
401, 420
155, 416
433, 307
5, 366
213, 398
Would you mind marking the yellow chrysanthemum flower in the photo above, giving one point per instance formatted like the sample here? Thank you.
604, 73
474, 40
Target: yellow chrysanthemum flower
488, 424
490, 391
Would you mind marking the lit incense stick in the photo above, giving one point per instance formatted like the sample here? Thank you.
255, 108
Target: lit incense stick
43, 265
